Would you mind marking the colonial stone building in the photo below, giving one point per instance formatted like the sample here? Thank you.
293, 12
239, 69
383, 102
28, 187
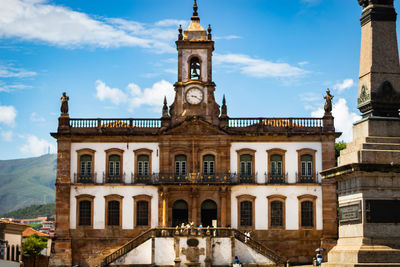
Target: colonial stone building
118, 178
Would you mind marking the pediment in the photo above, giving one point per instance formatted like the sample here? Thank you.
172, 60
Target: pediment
195, 126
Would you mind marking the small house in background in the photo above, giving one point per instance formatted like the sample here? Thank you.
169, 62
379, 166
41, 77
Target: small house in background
30, 231
10, 241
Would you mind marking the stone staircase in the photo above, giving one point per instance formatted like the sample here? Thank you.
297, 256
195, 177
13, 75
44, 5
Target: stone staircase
114, 258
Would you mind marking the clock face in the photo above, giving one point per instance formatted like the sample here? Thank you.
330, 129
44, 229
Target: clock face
194, 96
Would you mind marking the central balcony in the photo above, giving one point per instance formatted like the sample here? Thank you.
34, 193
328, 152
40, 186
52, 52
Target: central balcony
193, 178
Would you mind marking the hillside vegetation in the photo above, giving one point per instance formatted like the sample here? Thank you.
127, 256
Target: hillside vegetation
32, 211
24, 182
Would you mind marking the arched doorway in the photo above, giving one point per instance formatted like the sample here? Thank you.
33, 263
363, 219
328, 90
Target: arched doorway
208, 212
180, 213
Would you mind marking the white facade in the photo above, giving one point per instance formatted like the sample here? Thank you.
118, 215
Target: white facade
100, 157
127, 192
261, 157
260, 191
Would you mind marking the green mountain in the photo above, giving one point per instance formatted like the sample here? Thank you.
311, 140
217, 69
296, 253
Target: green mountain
33, 211
24, 182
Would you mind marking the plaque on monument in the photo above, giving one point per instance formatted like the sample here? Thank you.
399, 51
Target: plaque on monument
350, 214
382, 211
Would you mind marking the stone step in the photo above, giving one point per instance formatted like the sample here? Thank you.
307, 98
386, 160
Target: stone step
387, 140
379, 156
381, 146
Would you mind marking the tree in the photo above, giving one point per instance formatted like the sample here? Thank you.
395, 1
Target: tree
338, 147
33, 245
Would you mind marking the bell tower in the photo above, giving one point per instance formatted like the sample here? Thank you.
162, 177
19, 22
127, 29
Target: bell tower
194, 90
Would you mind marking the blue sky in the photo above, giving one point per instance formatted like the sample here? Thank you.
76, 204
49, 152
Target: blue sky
118, 59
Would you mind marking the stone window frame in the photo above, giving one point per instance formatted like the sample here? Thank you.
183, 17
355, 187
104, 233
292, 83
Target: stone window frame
143, 151
276, 151
189, 59
136, 199
245, 151
313, 199
205, 153
81, 152
115, 151
282, 199
84, 197
306, 151
240, 199
188, 160
113, 197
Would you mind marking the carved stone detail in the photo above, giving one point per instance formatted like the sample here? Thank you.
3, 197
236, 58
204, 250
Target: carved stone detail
364, 95
192, 253
385, 102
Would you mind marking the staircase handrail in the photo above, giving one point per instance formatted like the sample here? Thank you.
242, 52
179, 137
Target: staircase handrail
257, 246
195, 231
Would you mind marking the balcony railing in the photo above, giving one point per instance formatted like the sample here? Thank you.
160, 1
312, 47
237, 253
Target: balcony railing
115, 123
194, 178
87, 178
276, 122
307, 179
274, 178
114, 178
198, 178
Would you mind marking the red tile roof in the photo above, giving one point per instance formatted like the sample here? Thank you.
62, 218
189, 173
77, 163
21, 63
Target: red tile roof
30, 231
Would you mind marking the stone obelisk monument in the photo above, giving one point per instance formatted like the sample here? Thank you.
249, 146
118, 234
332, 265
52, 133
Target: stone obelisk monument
368, 175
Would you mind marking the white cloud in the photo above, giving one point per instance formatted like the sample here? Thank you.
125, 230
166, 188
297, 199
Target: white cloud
36, 118
344, 119
104, 92
7, 135
12, 87
258, 67
36, 147
41, 20
346, 84
10, 72
135, 97
8, 115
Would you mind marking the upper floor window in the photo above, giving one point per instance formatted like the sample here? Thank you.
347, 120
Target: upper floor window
246, 165
208, 164
143, 165
276, 165
306, 165
85, 166
114, 166
195, 69
180, 165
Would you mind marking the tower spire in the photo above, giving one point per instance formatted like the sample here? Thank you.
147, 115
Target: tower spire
195, 14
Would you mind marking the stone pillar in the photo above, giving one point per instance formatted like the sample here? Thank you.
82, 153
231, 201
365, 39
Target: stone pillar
177, 249
379, 78
164, 208
369, 168
222, 209
62, 248
194, 196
